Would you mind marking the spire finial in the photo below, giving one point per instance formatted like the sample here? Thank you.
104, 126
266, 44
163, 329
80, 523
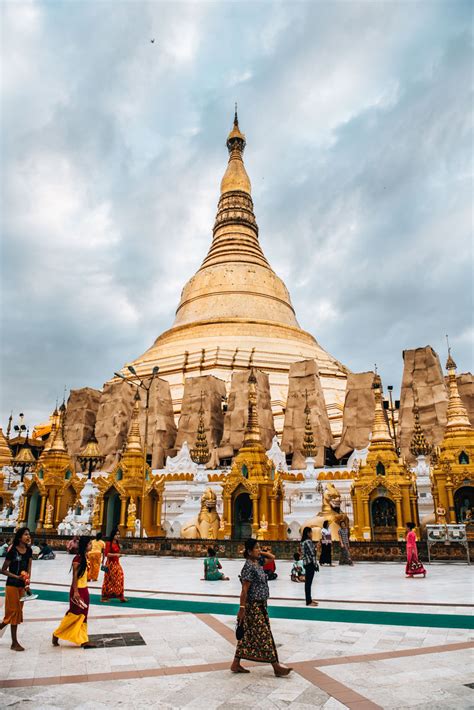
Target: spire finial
309, 449
418, 445
134, 441
236, 118
200, 454
252, 432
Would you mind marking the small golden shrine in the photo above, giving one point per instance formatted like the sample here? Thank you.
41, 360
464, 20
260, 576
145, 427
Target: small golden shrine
121, 492
253, 492
384, 496
452, 476
54, 487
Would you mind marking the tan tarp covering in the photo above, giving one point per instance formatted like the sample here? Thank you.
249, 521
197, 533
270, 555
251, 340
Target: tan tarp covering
82, 408
235, 419
213, 392
304, 377
359, 408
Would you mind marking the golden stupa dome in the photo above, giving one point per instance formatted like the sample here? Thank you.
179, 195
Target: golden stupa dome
235, 311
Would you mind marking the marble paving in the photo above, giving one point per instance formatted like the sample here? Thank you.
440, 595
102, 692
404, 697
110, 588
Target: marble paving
184, 662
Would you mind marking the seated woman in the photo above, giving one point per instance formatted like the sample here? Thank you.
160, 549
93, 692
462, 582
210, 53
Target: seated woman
212, 567
268, 564
297, 570
46, 552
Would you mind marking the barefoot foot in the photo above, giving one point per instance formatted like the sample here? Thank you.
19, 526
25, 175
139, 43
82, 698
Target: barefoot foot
237, 668
16, 647
54, 640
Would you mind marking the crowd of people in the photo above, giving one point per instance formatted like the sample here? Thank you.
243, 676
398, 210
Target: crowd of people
255, 641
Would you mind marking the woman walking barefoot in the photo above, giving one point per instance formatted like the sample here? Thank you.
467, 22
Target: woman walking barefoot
17, 568
325, 558
345, 553
257, 643
113, 585
95, 557
413, 566
73, 627
310, 564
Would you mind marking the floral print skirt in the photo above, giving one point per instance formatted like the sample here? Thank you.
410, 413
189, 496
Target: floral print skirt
257, 643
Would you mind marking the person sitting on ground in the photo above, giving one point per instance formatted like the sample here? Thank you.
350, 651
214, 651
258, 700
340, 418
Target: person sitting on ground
297, 570
269, 566
46, 552
4, 547
35, 549
212, 567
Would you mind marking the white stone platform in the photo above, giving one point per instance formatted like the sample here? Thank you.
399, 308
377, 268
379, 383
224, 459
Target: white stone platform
184, 663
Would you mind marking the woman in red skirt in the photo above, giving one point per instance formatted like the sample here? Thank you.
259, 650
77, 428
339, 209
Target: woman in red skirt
113, 585
413, 566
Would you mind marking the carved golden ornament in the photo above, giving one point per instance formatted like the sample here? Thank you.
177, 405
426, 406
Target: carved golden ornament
418, 445
200, 454
309, 448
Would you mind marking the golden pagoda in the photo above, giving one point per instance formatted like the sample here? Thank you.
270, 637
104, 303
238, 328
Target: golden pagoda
200, 454
452, 476
384, 496
253, 492
235, 311
55, 486
131, 490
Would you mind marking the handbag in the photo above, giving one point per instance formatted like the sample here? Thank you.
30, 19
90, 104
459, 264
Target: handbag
104, 568
239, 630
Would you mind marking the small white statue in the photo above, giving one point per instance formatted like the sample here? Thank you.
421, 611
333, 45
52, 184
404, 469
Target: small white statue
137, 527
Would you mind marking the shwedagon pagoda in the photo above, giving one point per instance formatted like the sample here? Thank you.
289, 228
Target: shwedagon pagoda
249, 425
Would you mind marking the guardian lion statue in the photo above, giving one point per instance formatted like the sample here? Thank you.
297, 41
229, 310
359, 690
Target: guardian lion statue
331, 511
206, 525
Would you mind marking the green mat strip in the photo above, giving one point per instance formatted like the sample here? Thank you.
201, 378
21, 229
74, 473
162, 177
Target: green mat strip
347, 616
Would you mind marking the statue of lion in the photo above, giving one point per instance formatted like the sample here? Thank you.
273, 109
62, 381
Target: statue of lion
331, 511
206, 524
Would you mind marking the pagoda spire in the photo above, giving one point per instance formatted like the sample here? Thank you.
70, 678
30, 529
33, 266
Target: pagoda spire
309, 448
252, 431
200, 453
58, 442
134, 440
235, 234
419, 446
380, 431
456, 413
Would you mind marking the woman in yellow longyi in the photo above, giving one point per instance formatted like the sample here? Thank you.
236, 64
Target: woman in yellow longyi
74, 625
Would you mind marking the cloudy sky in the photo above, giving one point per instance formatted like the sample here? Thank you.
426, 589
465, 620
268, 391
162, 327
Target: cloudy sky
359, 135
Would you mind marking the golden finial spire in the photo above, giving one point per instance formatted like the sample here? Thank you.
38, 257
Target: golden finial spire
380, 431
418, 445
235, 177
134, 440
456, 413
58, 443
252, 431
309, 449
200, 453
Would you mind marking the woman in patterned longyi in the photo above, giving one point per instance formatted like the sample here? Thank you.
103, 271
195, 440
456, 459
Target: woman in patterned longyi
257, 643
113, 585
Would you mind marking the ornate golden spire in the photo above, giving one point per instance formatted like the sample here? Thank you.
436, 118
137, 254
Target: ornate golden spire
309, 449
418, 445
380, 431
235, 177
200, 453
5, 452
252, 431
54, 419
57, 443
456, 413
134, 440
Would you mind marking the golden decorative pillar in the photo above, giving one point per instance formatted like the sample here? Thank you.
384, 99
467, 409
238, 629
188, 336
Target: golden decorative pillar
255, 523
42, 510
123, 510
